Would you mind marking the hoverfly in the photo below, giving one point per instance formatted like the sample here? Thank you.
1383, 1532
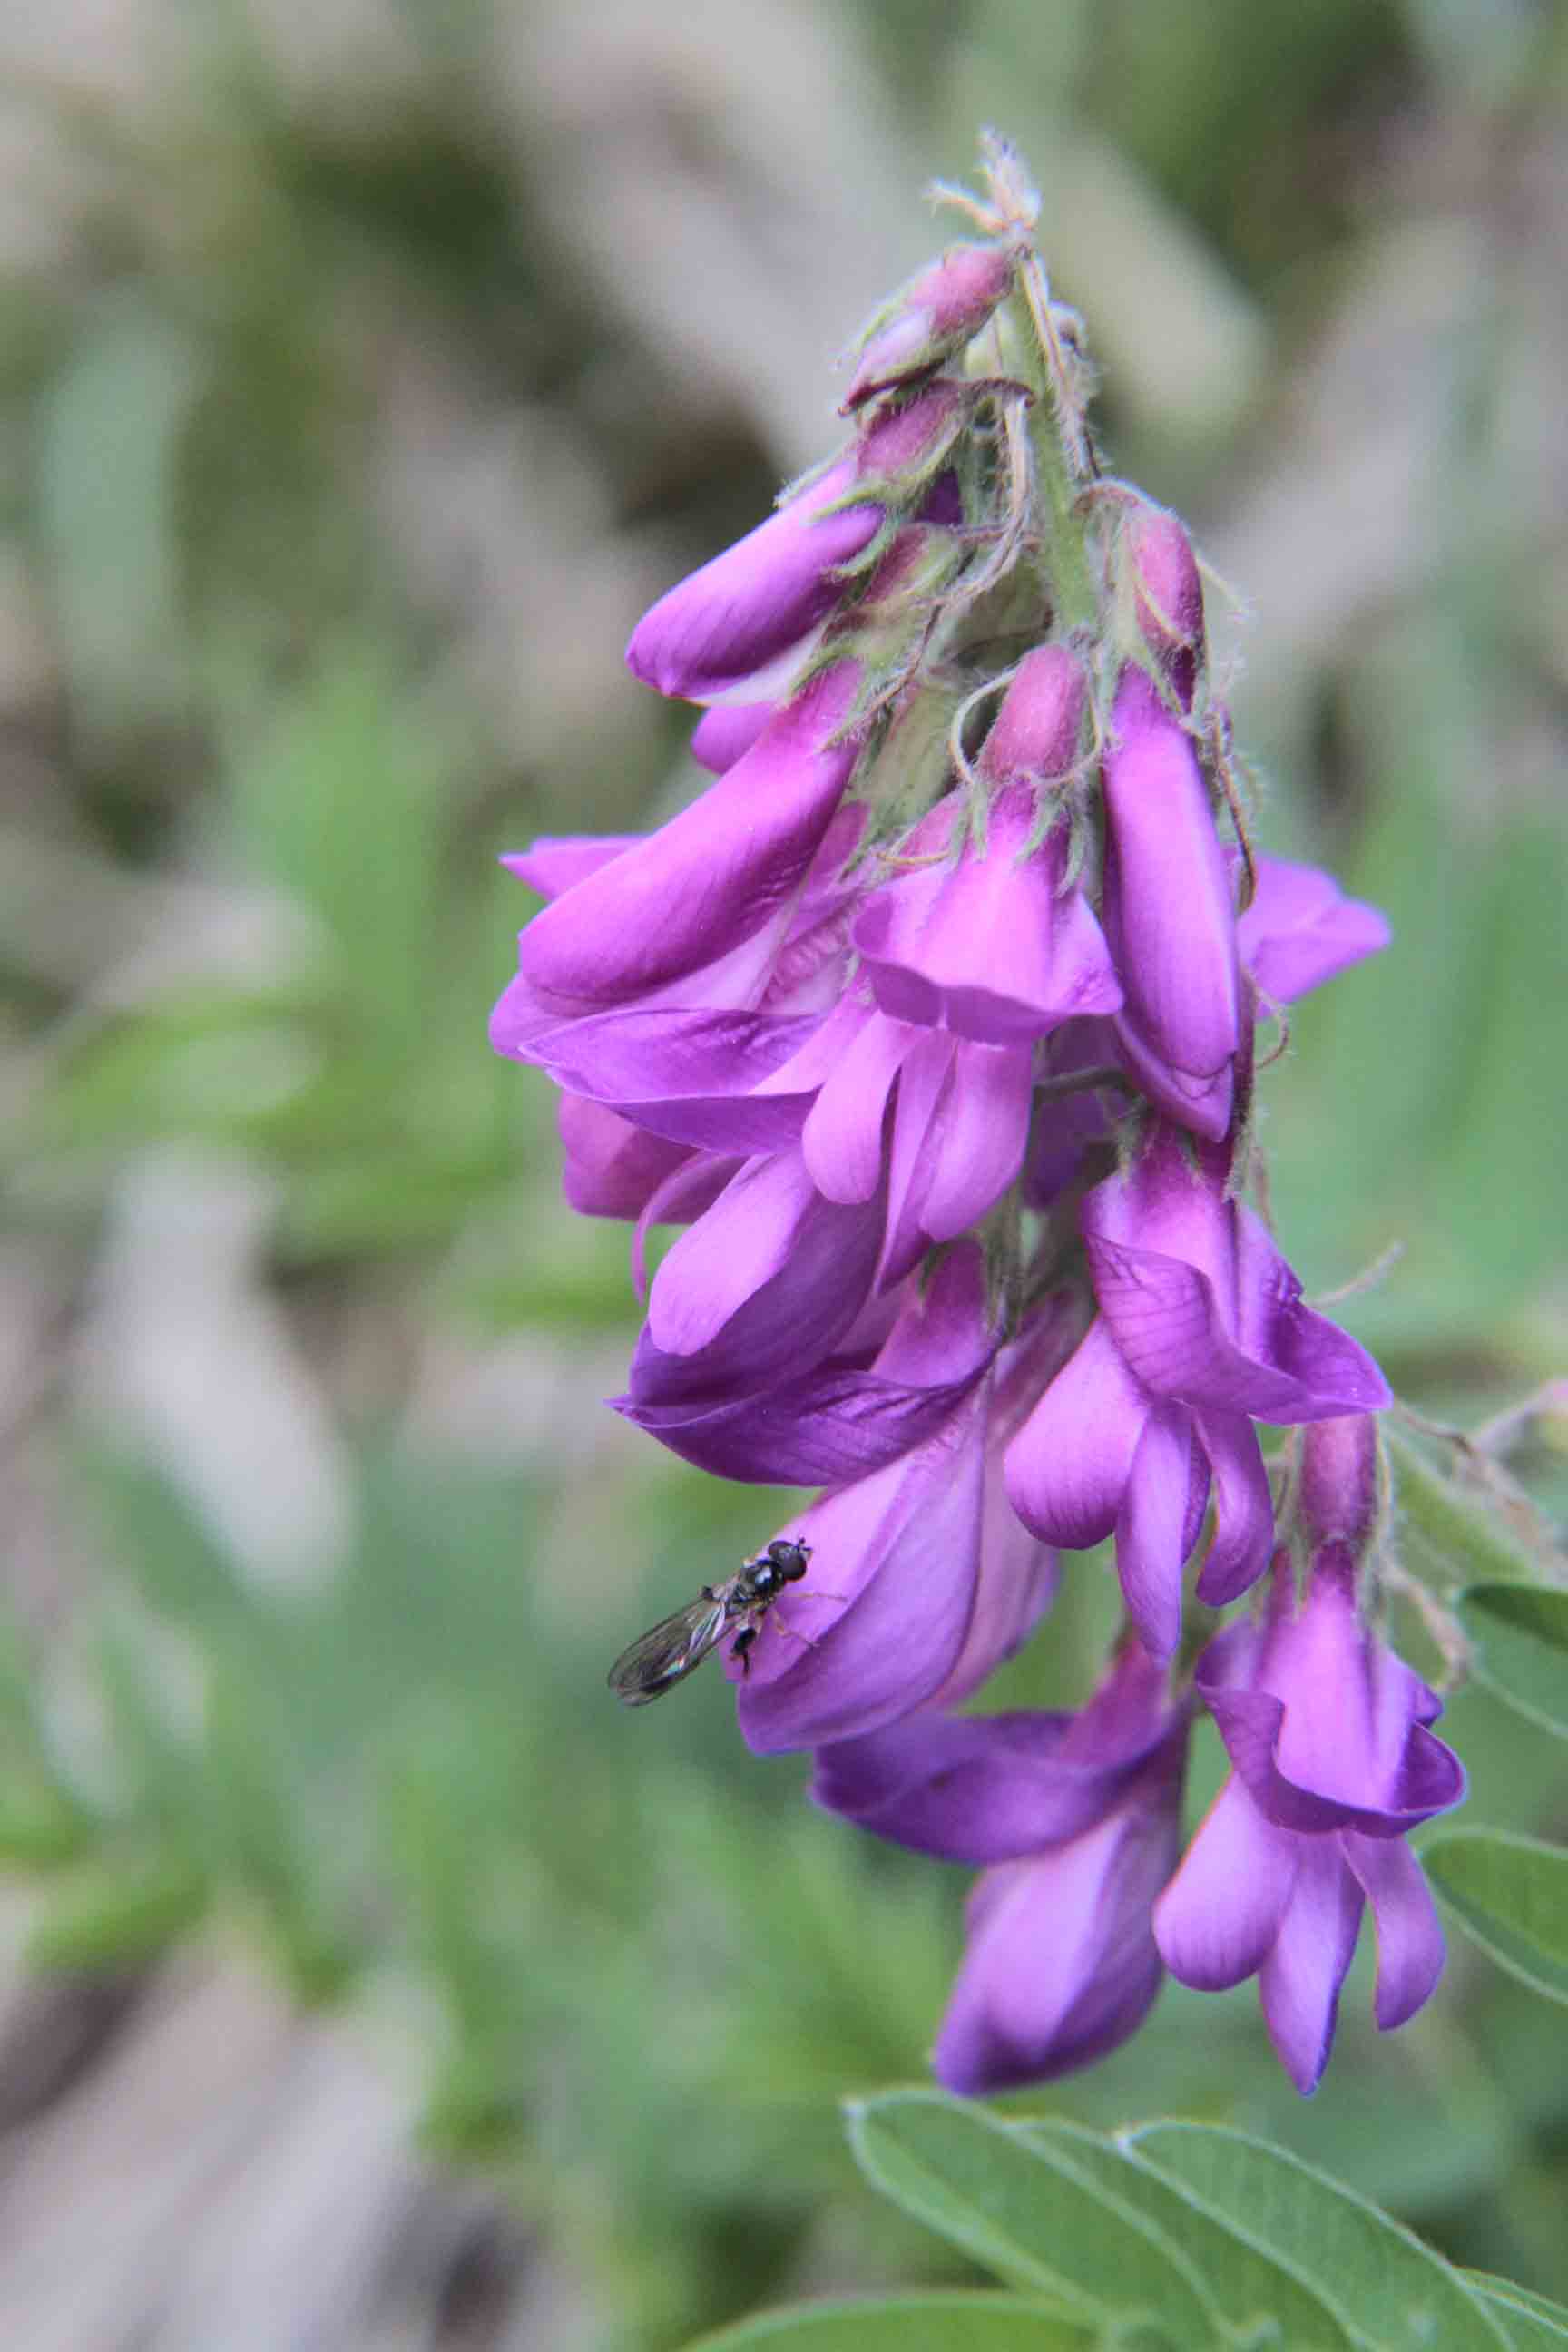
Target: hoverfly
668, 1651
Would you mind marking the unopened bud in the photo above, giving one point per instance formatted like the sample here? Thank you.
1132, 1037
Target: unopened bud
937, 313
1167, 595
1036, 729
1340, 1489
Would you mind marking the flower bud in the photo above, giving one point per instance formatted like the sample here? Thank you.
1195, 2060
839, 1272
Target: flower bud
1168, 596
940, 311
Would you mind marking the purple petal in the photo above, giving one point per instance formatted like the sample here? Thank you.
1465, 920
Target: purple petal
1158, 1524
977, 1138
842, 1137
756, 600
724, 734
992, 948
927, 1072
1203, 1102
1068, 1467
840, 1422
974, 1788
1036, 734
1168, 908
1299, 1980
903, 1548
1244, 1508
685, 1075
1273, 1326
1410, 1948
1300, 929
1219, 1916
1061, 1964
723, 871
556, 863
758, 1290
1167, 1323
609, 1167
1018, 1579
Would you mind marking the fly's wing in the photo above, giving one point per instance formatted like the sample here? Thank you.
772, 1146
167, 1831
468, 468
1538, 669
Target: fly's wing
667, 1651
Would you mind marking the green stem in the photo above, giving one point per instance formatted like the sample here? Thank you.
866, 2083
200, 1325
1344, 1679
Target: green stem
1460, 1528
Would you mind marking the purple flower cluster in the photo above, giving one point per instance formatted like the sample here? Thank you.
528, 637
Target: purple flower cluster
931, 1022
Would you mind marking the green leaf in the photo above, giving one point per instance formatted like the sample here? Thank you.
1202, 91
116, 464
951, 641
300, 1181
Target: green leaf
1388, 2292
1024, 2212
911, 2323
1528, 2320
1247, 2287
1510, 1894
1519, 1634
1469, 1534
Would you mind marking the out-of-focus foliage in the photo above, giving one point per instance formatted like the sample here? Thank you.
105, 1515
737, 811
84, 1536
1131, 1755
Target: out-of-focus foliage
365, 368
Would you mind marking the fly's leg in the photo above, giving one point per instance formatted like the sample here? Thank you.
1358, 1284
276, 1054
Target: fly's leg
742, 1647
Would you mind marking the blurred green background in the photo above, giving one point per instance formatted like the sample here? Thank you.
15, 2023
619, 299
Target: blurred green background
367, 1978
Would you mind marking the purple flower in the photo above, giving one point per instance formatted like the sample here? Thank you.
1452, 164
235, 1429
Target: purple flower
1169, 914
1201, 1332
996, 947
1077, 1820
762, 598
703, 906
1333, 1761
940, 309
1300, 929
881, 1394
936, 1581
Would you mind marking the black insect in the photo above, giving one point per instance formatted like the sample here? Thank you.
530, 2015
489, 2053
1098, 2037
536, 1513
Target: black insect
668, 1651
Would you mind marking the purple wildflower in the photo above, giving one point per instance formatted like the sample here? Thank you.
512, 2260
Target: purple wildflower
1333, 1761
1201, 1332
938, 1040
1170, 914
741, 613
1077, 1820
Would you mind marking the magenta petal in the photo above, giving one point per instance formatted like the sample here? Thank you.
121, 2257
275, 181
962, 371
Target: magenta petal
1018, 1580
685, 1075
1168, 1325
974, 1788
843, 1136
1202, 1102
1068, 1467
1158, 1524
922, 1082
1410, 1946
1244, 1508
1273, 1326
758, 1291
750, 604
1300, 929
1299, 1982
556, 863
609, 1167
990, 948
724, 734
838, 1423
712, 877
1061, 1965
978, 1137
904, 1547
1168, 902
1219, 1916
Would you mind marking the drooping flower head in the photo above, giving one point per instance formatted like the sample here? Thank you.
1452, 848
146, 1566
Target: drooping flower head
931, 1022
